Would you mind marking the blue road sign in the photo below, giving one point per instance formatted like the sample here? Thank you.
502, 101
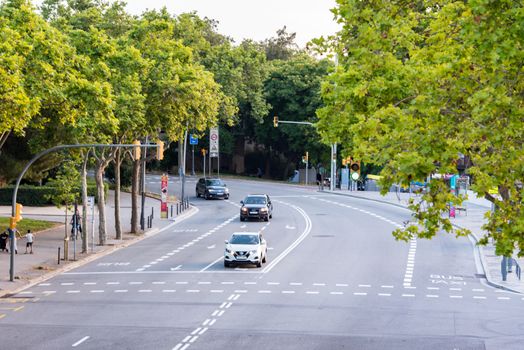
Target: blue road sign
193, 140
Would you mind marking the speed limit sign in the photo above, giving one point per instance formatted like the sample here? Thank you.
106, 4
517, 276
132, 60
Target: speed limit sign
213, 142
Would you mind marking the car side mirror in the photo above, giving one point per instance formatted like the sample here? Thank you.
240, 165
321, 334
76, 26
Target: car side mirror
226, 241
242, 202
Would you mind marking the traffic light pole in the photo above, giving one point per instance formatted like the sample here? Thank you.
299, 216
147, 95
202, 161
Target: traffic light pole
293, 122
143, 199
12, 226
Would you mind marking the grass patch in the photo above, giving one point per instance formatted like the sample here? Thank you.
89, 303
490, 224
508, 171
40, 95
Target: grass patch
28, 224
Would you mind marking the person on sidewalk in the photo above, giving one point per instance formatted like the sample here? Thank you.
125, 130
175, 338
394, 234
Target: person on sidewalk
30, 238
4, 237
76, 225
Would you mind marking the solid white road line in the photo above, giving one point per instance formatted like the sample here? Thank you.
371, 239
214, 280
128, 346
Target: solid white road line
80, 341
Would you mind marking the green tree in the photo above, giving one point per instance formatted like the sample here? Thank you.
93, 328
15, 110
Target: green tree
293, 90
283, 47
417, 86
36, 71
67, 185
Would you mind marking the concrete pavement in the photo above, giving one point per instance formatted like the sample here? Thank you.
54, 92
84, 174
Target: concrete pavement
44, 262
472, 219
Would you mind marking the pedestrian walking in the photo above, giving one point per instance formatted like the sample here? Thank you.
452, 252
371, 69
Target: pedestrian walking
4, 237
76, 224
29, 244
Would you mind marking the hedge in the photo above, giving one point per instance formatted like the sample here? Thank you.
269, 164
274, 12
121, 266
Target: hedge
37, 196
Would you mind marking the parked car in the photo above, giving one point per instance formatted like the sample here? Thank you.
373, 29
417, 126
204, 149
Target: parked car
211, 188
256, 206
245, 248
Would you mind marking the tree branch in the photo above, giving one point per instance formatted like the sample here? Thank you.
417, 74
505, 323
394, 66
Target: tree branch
404, 100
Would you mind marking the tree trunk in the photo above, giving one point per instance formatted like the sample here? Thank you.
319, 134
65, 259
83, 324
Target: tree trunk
118, 163
134, 196
99, 176
85, 242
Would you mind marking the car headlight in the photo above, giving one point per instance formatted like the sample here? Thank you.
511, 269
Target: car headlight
263, 210
211, 191
228, 251
244, 210
226, 190
253, 251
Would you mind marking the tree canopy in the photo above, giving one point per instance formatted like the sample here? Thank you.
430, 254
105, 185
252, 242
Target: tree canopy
419, 86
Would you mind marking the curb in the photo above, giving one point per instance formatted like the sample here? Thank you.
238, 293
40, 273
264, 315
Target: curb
472, 235
94, 256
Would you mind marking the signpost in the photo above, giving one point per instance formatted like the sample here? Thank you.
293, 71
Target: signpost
213, 143
193, 140
163, 197
214, 148
91, 205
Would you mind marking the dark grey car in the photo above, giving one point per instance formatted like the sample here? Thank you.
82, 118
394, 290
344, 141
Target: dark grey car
256, 206
211, 188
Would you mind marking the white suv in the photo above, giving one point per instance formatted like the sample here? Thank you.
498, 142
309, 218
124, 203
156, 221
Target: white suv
245, 248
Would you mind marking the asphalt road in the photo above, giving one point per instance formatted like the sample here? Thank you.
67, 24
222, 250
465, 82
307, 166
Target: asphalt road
335, 279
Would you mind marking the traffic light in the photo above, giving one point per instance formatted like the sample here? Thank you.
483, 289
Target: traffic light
18, 212
160, 150
355, 169
307, 156
136, 150
17, 217
203, 152
275, 121
304, 159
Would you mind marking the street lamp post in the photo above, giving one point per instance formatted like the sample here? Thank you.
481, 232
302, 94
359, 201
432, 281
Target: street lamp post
12, 226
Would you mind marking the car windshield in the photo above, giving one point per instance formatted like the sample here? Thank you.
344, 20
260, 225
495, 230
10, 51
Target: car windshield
255, 200
244, 239
215, 182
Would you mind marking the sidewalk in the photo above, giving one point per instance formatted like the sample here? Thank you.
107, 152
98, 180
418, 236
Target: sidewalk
43, 263
472, 219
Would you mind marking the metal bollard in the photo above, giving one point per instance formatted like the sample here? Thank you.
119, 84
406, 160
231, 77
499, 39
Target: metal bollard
171, 210
58, 255
152, 213
177, 208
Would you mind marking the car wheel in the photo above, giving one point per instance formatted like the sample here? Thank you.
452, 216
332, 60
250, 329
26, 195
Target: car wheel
242, 219
227, 197
206, 196
259, 263
271, 216
266, 218
197, 194
226, 263
264, 258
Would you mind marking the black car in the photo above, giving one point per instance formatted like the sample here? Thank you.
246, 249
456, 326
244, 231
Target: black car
211, 188
256, 206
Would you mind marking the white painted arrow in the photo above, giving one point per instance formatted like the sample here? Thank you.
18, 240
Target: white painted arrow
211, 246
290, 227
176, 268
243, 226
